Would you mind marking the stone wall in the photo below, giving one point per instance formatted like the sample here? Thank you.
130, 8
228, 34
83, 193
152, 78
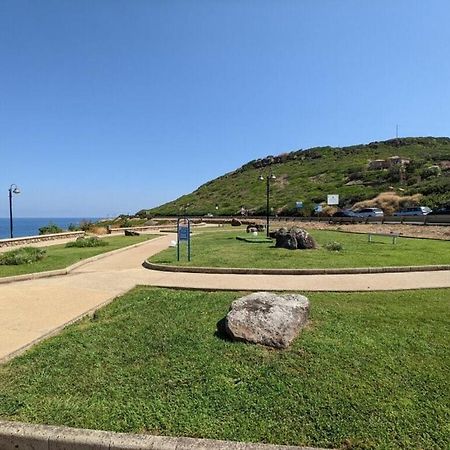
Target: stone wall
41, 238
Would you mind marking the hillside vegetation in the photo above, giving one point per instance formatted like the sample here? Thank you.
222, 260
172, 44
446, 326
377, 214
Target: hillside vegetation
309, 175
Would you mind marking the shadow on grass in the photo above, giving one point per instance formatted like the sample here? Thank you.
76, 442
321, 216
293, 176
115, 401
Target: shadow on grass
221, 331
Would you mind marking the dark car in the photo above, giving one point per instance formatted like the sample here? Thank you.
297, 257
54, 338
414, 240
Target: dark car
345, 213
440, 212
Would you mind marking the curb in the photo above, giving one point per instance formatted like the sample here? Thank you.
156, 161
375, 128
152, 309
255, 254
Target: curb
17, 435
68, 269
253, 271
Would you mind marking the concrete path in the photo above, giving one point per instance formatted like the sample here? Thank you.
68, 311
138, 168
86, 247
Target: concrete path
34, 309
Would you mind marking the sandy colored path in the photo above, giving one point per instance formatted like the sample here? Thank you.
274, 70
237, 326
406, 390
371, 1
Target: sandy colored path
31, 310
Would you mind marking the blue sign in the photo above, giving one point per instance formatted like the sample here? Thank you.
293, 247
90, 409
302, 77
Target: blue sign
183, 233
299, 205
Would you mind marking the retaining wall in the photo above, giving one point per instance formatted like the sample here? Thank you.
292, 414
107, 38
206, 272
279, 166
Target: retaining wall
41, 238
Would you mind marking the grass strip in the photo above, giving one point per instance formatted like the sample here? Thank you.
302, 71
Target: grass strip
59, 257
370, 371
222, 249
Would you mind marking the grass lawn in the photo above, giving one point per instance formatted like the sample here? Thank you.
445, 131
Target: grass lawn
59, 257
371, 371
222, 249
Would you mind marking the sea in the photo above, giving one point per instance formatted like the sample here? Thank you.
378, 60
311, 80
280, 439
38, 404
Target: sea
29, 226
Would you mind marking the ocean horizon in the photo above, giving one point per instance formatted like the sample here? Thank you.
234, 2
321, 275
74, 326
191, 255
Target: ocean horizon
29, 226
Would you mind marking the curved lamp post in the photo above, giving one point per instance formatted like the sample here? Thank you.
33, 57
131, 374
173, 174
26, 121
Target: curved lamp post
13, 189
270, 177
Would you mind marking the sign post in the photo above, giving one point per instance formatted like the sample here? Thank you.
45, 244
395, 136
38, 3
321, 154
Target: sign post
184, 234
333, 199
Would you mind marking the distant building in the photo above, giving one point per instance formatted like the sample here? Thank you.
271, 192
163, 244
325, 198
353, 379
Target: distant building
379, 164
397, 160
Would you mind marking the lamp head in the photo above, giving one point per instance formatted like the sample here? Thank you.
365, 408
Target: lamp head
261, 178
14, 189
272, 176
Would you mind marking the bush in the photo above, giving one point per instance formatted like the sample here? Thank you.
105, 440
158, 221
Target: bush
87, 242
24, 255
51, 228
334, 246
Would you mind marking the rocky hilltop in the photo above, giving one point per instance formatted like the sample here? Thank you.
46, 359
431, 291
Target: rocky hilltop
418, 167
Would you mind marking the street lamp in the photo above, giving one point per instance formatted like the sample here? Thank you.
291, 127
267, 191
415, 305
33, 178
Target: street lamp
270, 177
13, 189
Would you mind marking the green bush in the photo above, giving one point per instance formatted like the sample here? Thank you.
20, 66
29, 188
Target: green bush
87, 242
334, 246
51, 228
24, 255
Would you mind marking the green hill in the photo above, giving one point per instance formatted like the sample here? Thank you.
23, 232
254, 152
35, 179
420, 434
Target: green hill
309, 175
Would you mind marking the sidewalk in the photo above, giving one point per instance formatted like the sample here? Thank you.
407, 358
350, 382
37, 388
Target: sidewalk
34, 309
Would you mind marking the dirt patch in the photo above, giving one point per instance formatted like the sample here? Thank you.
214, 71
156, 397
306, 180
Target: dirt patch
417, 231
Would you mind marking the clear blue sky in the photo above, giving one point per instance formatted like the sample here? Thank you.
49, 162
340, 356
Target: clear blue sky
110, 106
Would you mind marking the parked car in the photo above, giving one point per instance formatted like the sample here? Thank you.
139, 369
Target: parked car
414, 211
345, 213
370, 212
440, 212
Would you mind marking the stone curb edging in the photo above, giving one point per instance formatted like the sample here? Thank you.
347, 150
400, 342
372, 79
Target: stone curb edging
18, 435
68, 269
253, 271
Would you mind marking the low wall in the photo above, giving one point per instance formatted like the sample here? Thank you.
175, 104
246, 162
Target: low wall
41, 238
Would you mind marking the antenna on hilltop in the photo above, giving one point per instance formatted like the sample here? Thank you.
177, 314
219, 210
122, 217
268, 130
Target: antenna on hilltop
396, 131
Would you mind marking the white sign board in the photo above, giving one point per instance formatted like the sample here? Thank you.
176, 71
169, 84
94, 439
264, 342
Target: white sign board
333, 199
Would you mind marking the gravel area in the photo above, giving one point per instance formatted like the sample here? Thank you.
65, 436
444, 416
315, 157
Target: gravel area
417, 231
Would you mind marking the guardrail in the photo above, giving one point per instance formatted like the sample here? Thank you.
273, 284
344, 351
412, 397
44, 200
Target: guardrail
412, 220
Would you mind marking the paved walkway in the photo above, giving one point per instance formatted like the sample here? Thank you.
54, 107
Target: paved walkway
31, 310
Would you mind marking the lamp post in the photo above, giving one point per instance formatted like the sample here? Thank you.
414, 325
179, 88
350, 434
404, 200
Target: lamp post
270, 177
13, 189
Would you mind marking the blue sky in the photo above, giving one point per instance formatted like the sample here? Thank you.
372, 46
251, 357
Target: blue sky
110, 106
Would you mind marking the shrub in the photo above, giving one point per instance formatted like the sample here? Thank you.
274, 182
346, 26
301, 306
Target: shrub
87, 242
51, 228
24, 255
334, 246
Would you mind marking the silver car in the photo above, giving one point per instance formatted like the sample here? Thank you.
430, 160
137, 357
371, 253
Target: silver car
414, 211
370, 212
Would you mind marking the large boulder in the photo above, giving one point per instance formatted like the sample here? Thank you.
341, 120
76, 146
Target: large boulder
267, 318
295, 238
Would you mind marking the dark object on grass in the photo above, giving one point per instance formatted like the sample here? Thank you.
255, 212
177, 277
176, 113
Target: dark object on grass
295, 238
24, 255
251, 227
131, 233
235, 222
87, 242
267, 318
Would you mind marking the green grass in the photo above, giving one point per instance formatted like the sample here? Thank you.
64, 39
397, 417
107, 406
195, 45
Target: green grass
370, 372
221, 249
59, 257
